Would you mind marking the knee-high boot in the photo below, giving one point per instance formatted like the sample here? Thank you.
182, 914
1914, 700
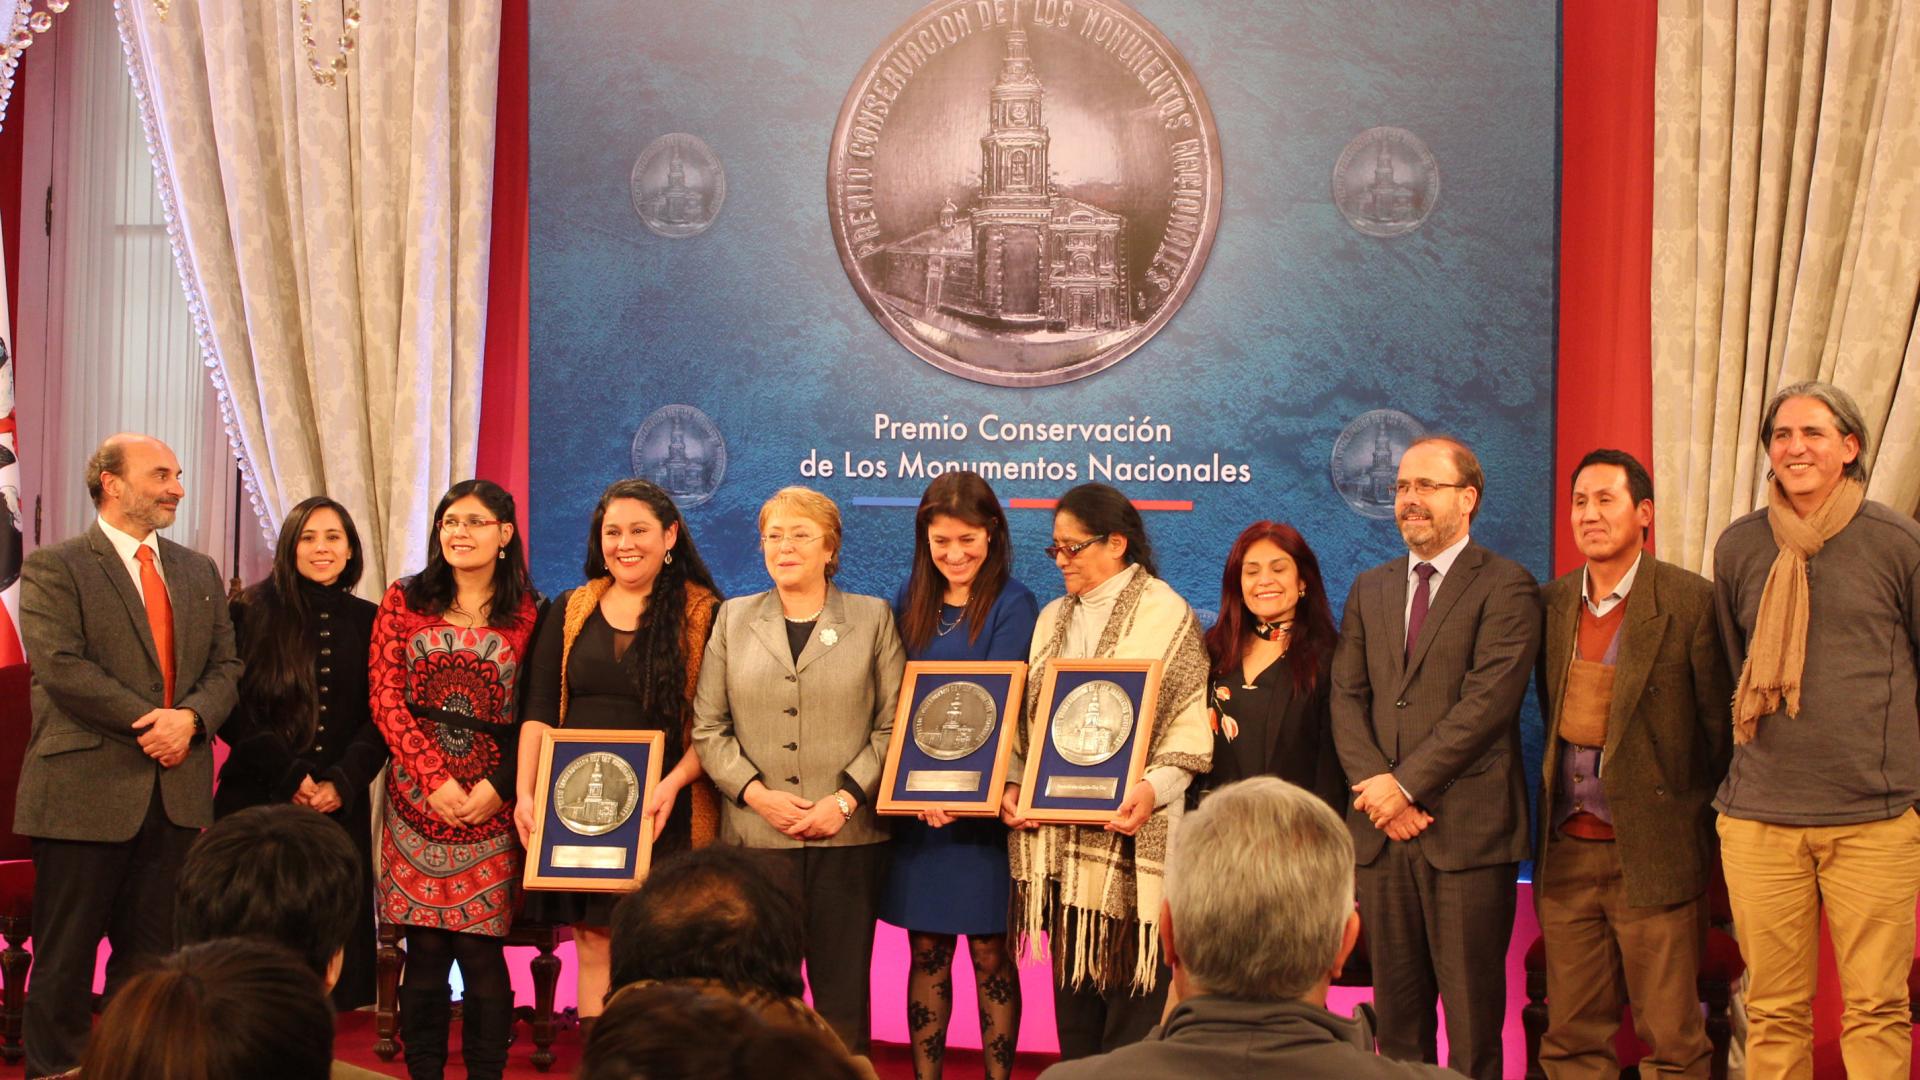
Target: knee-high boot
485, 1024
425, 1013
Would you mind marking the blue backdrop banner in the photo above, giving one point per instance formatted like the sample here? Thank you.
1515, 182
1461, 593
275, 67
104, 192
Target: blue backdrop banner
854, 243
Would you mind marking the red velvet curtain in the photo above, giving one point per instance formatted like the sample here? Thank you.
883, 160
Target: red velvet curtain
1605, 391
502, 454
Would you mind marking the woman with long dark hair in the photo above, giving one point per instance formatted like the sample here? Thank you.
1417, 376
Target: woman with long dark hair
1272, 666
448, 646
1095, 890
623, 652
949, 877
303, 732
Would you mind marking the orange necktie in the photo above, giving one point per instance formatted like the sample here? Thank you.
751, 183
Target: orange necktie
159, 617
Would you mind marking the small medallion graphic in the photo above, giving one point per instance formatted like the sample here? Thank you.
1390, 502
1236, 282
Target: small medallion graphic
1366, 459
678, 185
1386, 182
1093, 723
596, 794
954, 721
1024, 193
681, 449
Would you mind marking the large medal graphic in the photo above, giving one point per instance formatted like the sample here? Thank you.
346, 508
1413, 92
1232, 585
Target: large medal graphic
1024, 191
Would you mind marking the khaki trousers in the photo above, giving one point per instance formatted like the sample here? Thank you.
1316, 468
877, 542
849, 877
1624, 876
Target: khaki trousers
1867, 876
1601, 953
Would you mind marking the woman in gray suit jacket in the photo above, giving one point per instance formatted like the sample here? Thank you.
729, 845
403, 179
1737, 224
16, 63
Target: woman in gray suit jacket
791, 722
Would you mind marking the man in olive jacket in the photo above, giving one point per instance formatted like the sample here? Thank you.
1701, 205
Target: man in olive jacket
1635, 690
133, 671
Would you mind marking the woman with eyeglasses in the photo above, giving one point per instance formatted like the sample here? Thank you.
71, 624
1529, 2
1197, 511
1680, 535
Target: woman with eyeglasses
302, 731
949, 877
1272, 657
791, 722
448, 647
622, 652
1095, 890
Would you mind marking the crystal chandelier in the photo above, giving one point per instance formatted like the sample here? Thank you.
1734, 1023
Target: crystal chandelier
19, 23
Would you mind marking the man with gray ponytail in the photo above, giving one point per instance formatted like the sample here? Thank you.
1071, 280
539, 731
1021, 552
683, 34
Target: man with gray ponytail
1818, 599
1257, 920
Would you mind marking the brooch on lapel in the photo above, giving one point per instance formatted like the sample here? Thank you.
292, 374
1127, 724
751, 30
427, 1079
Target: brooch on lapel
829, 637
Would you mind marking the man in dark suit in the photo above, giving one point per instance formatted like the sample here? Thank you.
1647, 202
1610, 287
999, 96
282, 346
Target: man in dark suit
1637, 695
133, 670
1435, 653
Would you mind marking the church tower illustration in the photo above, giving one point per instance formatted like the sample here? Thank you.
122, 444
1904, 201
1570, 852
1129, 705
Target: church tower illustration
1023, 255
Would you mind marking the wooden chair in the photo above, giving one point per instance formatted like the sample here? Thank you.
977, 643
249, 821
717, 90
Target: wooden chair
16, 875
1720, 969
392, 959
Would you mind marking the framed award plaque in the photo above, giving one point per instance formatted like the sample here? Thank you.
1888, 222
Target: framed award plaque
950, 737
591, 790
1089, 739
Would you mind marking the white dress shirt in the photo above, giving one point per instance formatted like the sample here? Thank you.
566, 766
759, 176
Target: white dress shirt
1614, 599
126, 546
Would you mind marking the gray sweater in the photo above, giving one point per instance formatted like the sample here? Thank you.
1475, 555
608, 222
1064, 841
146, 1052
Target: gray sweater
1219, 1038
1853, 753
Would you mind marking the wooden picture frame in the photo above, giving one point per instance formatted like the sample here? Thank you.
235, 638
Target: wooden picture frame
595, 837
1058, 790
961, 778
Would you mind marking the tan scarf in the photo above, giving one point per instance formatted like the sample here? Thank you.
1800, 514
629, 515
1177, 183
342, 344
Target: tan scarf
1096, 894
1777, 648
693, 645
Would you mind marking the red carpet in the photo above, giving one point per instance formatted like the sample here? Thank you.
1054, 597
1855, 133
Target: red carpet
354, 1043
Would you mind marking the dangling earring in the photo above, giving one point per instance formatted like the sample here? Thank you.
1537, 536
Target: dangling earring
669, 558
502, 555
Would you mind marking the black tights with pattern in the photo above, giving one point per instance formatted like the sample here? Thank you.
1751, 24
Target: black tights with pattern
930, 1001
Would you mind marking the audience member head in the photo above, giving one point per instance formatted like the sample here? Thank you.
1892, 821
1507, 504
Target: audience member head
1259, 898
679, 1033
282, 874
134, 481
234, 1009
709, 914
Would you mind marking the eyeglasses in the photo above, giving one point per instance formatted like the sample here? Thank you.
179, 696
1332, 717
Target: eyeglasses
1054, 551
471, 524
1423, 487
798, 540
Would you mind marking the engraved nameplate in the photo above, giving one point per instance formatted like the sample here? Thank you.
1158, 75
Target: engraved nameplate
582, 857
1082, 787
943, 780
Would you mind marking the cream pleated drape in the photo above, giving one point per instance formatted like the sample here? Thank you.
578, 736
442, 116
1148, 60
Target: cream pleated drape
332, 241
1786, 242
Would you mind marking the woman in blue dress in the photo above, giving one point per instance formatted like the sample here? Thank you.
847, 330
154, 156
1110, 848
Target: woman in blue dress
949, 877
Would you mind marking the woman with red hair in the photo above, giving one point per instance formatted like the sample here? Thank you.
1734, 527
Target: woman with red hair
1272, 664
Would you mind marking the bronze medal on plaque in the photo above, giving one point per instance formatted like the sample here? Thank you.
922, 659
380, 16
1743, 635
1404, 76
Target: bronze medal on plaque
1024, 191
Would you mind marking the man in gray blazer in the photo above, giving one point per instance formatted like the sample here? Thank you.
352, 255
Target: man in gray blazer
133, 670
1636, 695
1435, 654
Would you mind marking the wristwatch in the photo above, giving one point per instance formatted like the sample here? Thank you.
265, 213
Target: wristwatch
199, 725
846, 808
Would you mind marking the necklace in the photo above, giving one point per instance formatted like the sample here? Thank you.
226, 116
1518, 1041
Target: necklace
946, 627
810, 618
1274, 631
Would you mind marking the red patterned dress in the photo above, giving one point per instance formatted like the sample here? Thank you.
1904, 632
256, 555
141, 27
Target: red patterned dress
444, 697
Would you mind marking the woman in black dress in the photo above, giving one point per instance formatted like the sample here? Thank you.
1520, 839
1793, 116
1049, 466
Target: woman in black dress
1272, 667
303, 731
629, 642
